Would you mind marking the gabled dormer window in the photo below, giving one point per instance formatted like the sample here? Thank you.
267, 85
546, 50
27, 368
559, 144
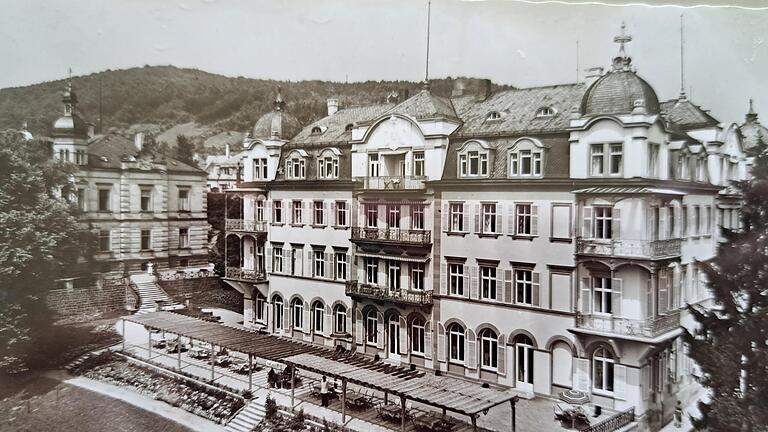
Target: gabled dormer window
545, 112
328, 164
295, 165
526, 159
493, 115
473, 159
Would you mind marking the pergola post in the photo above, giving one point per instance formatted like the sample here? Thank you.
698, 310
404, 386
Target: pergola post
293, 385
402, 413
386, 397
343, 401
213, 361
474, 422
149, 342
123, 335
250, 370
178, 351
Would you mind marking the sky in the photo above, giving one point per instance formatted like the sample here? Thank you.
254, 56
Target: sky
511, 42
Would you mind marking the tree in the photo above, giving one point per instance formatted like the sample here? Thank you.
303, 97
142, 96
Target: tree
185, 150
730, 344
40, 241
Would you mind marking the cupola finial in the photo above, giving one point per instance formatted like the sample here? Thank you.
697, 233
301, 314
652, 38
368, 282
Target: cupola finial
622, 61
751, 114
279, 103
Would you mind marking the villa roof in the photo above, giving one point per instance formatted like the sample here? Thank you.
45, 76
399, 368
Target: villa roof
110, 150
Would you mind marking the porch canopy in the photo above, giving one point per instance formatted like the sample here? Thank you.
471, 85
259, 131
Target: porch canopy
452, 394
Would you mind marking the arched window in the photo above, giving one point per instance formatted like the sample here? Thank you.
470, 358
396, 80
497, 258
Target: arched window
295, 167
328, 164
277, 304
489, 348
318, 316
456, 342
297, 313
526, 159
417, 335
317, 130
340, 318
473, 159
524, 356
602, 370
259, 306
545, 112
493, 115
371, 326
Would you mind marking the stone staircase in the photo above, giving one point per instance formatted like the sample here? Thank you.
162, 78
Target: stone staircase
248, 417
150, 294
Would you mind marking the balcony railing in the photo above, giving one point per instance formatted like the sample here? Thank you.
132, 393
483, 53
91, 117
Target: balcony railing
613, 423
245, 225
629, 248
246, 275
394, 183
394, 235
413, 297
650, 327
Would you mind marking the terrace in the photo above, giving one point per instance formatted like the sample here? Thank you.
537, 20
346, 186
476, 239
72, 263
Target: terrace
628, 248
392, 235
405, 296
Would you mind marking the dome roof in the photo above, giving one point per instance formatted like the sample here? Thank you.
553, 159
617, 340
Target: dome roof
616, 92
70, 126
752, 130
280, 122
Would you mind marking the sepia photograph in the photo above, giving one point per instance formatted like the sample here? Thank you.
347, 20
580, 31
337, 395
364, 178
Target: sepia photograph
383, 215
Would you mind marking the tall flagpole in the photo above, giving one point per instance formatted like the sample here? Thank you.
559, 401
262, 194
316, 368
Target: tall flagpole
429, 16
682, 62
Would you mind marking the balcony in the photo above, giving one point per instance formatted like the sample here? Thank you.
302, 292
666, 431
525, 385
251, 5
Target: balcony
644, 249
245, 225
245, 275
649, 328
399, 183
387, 235
408, 297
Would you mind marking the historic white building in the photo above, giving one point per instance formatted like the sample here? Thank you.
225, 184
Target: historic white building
539, 238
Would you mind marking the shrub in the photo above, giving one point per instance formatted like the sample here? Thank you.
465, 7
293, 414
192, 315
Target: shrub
298, 420
270, 408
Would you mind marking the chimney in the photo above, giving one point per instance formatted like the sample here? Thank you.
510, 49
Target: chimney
458, 87
403, 95
138, 140
226, 150
484, 89
333, 106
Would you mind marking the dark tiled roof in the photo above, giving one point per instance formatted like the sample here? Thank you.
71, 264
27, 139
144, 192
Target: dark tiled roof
616, 92
686, 115
107, 151
283, 122
334, 127
518, 110
425, 105
310, 164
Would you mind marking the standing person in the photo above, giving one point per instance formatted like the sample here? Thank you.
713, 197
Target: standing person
678, 414
324, 391
271, 378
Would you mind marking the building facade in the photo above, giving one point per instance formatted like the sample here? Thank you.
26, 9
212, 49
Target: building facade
540, 238
144, 209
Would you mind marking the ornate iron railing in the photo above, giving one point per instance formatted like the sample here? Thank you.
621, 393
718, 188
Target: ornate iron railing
245, 225
629, 248
415, 297
245, 274
613, 423
182, 274
392, 235
394, 183
650, 327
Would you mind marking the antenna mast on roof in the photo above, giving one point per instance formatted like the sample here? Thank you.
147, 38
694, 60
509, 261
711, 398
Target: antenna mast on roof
100, 105
429, 16
682, 64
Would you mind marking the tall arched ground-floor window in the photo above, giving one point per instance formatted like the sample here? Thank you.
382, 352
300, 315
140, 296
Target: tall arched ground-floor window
277, 305
489, 349
524, 362
340, 319
456, 343
562, 365
602, 371
259, 306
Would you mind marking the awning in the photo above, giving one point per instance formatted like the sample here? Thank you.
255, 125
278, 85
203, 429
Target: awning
393, 257
627, 190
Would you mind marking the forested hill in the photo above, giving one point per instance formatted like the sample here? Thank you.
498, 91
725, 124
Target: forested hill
161, 97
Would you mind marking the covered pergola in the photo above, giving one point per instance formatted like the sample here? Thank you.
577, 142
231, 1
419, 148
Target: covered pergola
442, 392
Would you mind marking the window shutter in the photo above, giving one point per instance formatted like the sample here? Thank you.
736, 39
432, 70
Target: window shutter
663, 223
427, 217
326, 216
465, 216
586, 295
499, 218
470, 349
403, 336
428, 340
444, 218
328, 321
674, 287
511, 219
678, 232
616, 223
299, 270
477, 227
663, 291
441, 350
381, 214
333, 216
348, 267
619, 382
499, 286
508, 296
474, 283
443, 279
303, 213
616, 297
307, 321
465, 282
534, 220
586, 230
288, 212
267, 210
114, 244
535, 291
649, 297
581, 380
406, 218
287, 317
359, 327
268, 259
380, 330
502, 355
329, 267
350, 314
644, 382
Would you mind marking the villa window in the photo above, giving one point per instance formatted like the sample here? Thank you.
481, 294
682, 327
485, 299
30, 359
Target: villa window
260, 211
488, 283
373, 165
489, 349
297, 313
417, 217
277, 260
146, 239
456, 342
260, 169
601, 294
328, 167
295, 168
318, 316
104, 200
372, 270
260, 307
393, 274
318, 257
393, 216
456, 279
489, 219
418, 164
81, 200
297, 212
371, 326
183, 238
603, 222
473, 164
525, 163
602, 370
371, 215
545, 112
653, 160
456, 217
340, 319
523, 220
341, 213
417, 276
341, 266
277, 212
524, 287
104, 241
146, 200
615, 159
277, 302
184, 200
493, 115
417, 335
318, 212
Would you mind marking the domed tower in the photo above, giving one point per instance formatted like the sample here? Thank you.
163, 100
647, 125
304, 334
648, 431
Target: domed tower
276, 124
752, 130
70, 131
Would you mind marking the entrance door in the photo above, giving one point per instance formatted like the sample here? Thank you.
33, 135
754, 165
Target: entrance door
524, 362
393, 347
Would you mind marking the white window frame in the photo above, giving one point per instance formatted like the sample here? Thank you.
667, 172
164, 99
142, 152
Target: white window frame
418, 164
183, 198
602, 292
297, 212
146, 193
488, 213
374, 166
393, 216
318, 263
183, 238
480, 160
394, 273
148, 236
371, 270
417, 216
603, 361
279, 315
417, 336
457, 218
489, 347
339, 319
371, 327
342, 218
328, 166
341, 265
371, 215
418, 274
488, 288
524, 219
297, 313
295, 167
456, 343
277, 211
260, 171
456, 280
602, 222
318, 212
524, 286
277, 259
318, 316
